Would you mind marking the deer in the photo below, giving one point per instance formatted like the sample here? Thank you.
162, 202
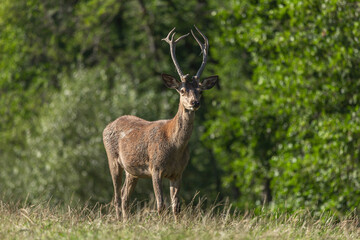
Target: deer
157, 149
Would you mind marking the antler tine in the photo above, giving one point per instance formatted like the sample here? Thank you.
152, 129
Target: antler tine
204, 50
197, 40
167, 39
181, 37
172, 45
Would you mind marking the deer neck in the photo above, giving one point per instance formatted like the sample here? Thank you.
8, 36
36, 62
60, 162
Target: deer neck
181, 126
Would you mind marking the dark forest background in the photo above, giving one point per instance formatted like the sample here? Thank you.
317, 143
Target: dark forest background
281, 129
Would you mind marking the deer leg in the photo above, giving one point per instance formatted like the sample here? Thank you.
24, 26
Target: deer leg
116, 174
127, 189
174, 195
156, 179
116, 178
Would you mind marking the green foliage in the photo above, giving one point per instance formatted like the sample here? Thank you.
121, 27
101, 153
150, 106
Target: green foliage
66, 148
68, 69
283, 128
290, 131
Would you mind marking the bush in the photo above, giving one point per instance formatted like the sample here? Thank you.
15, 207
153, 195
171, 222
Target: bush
289, 132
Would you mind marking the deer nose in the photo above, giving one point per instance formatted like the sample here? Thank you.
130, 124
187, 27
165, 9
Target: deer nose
195, 103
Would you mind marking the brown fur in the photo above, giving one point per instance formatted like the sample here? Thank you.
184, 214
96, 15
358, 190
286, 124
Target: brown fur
156, 149
148, 150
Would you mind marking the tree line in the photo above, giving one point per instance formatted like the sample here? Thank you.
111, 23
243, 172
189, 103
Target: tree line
281, 129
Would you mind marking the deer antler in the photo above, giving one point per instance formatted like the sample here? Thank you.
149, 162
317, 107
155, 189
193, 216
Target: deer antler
204, 50
172, 43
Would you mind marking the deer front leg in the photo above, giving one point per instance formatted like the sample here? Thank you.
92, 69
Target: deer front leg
174, 195
127, 189
156, 179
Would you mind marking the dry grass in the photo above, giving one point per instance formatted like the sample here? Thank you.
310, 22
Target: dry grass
43, 221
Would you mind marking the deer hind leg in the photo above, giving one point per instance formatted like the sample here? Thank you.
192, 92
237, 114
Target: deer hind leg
156, 179
174, 195
116, 175
127, 189
116, 171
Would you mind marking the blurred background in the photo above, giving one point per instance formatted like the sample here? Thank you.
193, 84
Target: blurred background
282, 129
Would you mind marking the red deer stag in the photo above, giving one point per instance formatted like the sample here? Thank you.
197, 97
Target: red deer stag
156, 149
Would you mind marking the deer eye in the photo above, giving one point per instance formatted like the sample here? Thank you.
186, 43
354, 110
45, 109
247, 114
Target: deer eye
182, 91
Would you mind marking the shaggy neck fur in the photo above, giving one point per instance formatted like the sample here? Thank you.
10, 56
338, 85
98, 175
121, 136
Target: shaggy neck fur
180, 127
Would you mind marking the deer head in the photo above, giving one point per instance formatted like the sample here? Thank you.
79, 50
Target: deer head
190, 90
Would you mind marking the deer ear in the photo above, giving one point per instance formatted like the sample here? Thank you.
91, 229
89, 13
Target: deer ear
209, 82
170, 81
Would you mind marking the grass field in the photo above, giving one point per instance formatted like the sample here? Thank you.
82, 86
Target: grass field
43, 221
